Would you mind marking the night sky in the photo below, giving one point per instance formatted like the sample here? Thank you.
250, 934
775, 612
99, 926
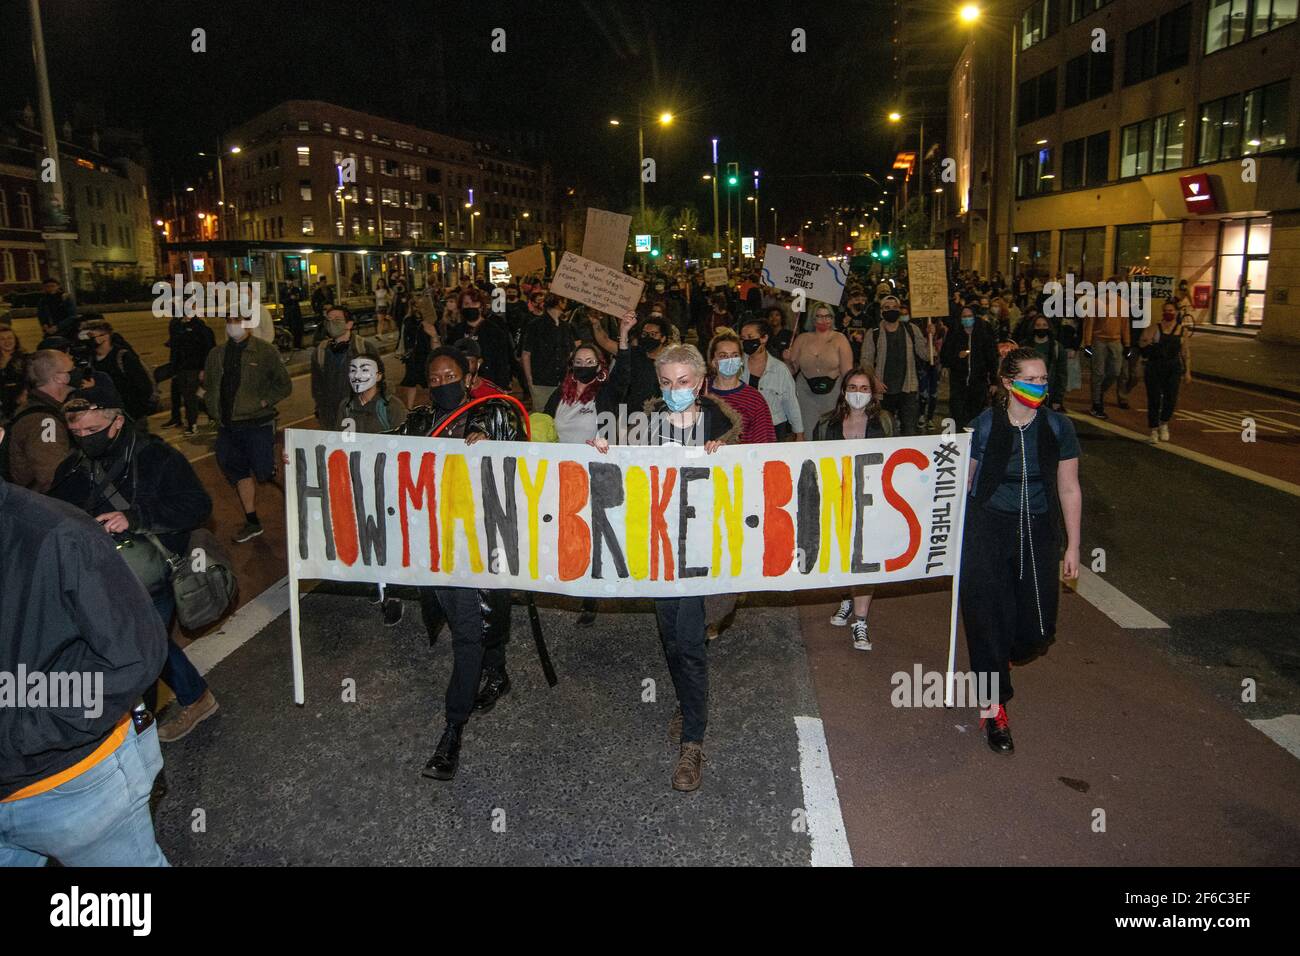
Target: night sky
723, 68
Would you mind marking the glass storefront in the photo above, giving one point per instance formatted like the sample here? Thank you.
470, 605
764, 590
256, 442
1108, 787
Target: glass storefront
1241, 276
1132, 247
1081, 253
1034, 250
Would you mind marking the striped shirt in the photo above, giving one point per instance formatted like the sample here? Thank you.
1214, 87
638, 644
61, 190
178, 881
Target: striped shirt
755, 417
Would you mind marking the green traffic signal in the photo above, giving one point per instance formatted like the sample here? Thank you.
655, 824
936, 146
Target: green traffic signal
732, 180
885, 253
654, 253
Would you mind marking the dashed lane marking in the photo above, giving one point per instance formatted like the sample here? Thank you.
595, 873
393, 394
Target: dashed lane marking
821, 800
1284, 731
1114, 603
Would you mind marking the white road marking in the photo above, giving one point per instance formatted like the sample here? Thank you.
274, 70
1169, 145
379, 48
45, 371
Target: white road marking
1173, 448
830, 844
1114, 603
1284, 731
207, 652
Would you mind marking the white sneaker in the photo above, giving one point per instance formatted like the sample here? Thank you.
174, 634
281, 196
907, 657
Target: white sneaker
860, 642
1164, 433
1155, 437
841, 617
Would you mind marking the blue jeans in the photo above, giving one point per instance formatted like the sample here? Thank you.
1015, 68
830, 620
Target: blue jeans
99, 818
178, 672
927, 387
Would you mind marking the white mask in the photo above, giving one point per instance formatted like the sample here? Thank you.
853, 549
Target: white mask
236, 331
858, 400
363, 374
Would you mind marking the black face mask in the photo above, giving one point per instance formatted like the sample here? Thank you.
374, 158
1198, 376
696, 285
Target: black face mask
97, 444
586, 373
77, 377
1042, 335
889, 315
448, 397
649, 345
751, 346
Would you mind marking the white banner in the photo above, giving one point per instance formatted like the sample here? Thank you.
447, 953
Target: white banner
638, 522
821, 279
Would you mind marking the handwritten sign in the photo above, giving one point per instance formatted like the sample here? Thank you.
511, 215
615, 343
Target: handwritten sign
605, 238
605, 289
526, 261
820, 279
714, 277
927, 282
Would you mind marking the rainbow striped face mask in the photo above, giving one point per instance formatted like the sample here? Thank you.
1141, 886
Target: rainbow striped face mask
1028, 394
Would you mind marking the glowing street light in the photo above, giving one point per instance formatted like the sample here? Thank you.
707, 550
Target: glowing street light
969, 12
895, 116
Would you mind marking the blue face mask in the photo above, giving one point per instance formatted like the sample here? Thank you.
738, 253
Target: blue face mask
968, 321
678, 399
728, 367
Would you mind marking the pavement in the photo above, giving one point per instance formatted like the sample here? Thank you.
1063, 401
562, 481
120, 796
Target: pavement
1246, 362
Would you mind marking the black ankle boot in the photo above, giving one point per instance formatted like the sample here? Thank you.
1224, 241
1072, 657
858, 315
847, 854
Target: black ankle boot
446, 756
496, 684
999, 732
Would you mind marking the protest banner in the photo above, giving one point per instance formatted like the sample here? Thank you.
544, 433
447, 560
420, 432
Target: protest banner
927, 282
715, 276
821, 279
526, 261
640, 521
605, 289
605, 238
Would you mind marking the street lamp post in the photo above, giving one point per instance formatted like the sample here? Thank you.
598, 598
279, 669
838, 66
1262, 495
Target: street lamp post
717, 244
51, 146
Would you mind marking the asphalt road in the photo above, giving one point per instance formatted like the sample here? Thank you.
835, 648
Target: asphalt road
1146, 725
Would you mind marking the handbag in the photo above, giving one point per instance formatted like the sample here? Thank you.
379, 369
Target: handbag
202, 593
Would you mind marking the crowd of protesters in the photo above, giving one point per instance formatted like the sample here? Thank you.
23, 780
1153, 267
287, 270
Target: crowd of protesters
718, 366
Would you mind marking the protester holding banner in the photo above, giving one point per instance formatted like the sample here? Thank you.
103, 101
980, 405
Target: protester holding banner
576, 407
1023, 473
772, 379
819, 359
726, 363
857, 415
686, 417
479, 618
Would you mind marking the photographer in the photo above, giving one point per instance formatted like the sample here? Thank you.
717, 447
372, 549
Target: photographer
134, 485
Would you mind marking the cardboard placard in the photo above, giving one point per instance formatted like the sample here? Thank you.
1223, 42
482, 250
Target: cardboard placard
927, 282
605, 238
715, 277
604, 289
527, 260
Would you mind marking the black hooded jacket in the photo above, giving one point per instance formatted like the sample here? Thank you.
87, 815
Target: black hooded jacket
71, 605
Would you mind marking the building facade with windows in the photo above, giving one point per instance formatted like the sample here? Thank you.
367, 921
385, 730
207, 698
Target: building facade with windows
363, 189
1158, 134
23, 261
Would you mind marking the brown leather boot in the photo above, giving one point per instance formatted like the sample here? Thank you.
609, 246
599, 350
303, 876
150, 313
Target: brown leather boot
689, 769
675, 726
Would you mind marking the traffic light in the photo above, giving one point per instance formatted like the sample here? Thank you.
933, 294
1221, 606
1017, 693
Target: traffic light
654, 253
733, 174
885, 252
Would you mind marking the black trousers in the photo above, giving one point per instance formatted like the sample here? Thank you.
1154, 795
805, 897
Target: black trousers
964, 402
681, 630
1163, 382
906, 409
479, 621
185, 391
1006, 617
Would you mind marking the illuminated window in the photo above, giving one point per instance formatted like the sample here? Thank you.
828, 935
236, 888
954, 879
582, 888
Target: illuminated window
304, 155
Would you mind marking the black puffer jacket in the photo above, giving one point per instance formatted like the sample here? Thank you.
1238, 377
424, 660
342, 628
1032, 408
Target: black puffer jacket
497, 418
